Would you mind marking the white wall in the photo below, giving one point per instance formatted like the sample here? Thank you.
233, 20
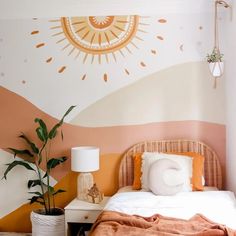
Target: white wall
57, 8
230, 72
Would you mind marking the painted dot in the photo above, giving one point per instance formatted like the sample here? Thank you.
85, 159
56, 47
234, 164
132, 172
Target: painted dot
160, 37
61, 69
181, 47
142, 64
127, 72
2, 74
83, 77
40, 45
162, 21
25, 61
49, 60
105, 77
23, 81
154, 52
200, 27
35, 32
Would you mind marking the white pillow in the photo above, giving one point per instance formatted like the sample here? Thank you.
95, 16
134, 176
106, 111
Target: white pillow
185, 162
147, 159
165, 177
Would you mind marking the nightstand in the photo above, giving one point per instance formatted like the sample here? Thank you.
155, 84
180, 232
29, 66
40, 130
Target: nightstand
82, 213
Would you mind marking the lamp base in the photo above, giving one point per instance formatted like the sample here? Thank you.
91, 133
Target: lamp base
84, 182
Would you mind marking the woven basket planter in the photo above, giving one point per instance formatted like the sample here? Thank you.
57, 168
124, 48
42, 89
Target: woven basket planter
48, 225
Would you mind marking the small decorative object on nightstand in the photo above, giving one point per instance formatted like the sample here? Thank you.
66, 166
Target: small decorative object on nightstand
94, 195
84, 160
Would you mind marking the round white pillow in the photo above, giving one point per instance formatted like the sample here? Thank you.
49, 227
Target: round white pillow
165, 177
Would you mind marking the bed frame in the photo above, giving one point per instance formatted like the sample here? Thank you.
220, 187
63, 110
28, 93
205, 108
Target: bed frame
212, 168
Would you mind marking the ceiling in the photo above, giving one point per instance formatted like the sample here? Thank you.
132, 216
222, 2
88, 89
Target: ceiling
12, 9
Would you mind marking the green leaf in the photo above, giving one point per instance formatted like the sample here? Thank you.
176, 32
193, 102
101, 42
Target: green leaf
67, 112
40, 157
42, 129
59, 191
14, 164
32, 145
21, 152
62, 136
51, 190
37, 193
53, 162
35, 182
39, 132
53, 131
36, 199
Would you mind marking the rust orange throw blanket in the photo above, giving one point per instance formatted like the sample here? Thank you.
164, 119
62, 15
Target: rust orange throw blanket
111, 223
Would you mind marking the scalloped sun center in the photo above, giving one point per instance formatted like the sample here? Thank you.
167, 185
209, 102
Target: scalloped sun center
101, 22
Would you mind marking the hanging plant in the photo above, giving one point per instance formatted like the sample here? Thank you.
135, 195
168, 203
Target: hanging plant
216, 64
215, 56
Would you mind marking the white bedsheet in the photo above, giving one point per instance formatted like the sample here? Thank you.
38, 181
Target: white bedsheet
218, 206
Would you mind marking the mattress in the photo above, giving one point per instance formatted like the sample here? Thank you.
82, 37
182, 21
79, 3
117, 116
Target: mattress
130, 189
218, 206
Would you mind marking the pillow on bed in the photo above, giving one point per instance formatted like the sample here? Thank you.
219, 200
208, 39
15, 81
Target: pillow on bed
197, 180
147, 159
185, 163
137, 160
165, 177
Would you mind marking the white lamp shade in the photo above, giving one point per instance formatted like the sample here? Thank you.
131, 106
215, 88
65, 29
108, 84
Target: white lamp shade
84, 159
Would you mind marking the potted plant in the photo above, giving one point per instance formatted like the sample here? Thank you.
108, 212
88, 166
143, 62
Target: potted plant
216, 65
49, 220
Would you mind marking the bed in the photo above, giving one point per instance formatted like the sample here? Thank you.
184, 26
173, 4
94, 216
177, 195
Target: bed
141, 212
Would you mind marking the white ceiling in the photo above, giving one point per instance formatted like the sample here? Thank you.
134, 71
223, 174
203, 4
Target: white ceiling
11, 9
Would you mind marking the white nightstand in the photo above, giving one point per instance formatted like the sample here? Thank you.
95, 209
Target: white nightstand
82, 212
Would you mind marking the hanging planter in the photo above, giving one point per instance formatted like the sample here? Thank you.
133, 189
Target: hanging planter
216, 68
216, 65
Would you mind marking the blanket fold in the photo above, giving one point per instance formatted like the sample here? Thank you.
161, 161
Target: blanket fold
110, 223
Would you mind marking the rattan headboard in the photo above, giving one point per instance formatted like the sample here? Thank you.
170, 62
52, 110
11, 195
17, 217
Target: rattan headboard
212, 168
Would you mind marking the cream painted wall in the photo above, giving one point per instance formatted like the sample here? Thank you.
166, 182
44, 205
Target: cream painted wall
231, 102
195, 99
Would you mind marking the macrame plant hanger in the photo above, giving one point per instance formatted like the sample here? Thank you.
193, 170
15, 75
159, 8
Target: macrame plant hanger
217, 65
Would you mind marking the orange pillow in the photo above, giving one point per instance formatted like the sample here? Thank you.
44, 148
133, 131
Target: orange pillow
198, 167
137, 159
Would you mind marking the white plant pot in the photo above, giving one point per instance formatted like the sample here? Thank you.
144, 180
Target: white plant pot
216, 68
47, 225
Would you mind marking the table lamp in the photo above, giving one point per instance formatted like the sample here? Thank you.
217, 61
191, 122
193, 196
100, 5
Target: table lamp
84, 159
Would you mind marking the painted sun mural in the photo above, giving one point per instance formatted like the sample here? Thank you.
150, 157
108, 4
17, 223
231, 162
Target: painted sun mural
99, 36
99, 39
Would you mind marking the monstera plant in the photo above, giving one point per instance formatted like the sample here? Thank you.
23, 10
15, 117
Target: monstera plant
37, 157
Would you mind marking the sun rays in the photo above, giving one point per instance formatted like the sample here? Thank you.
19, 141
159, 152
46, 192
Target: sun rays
99, 40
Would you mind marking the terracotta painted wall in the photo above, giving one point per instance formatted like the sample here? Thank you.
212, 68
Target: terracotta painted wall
133, 78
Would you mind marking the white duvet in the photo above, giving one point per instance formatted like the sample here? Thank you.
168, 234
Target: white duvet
218, 206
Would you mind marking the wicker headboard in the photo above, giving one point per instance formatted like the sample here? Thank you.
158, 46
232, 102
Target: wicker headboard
212, 168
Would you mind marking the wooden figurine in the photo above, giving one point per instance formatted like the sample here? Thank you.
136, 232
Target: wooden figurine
94, 195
